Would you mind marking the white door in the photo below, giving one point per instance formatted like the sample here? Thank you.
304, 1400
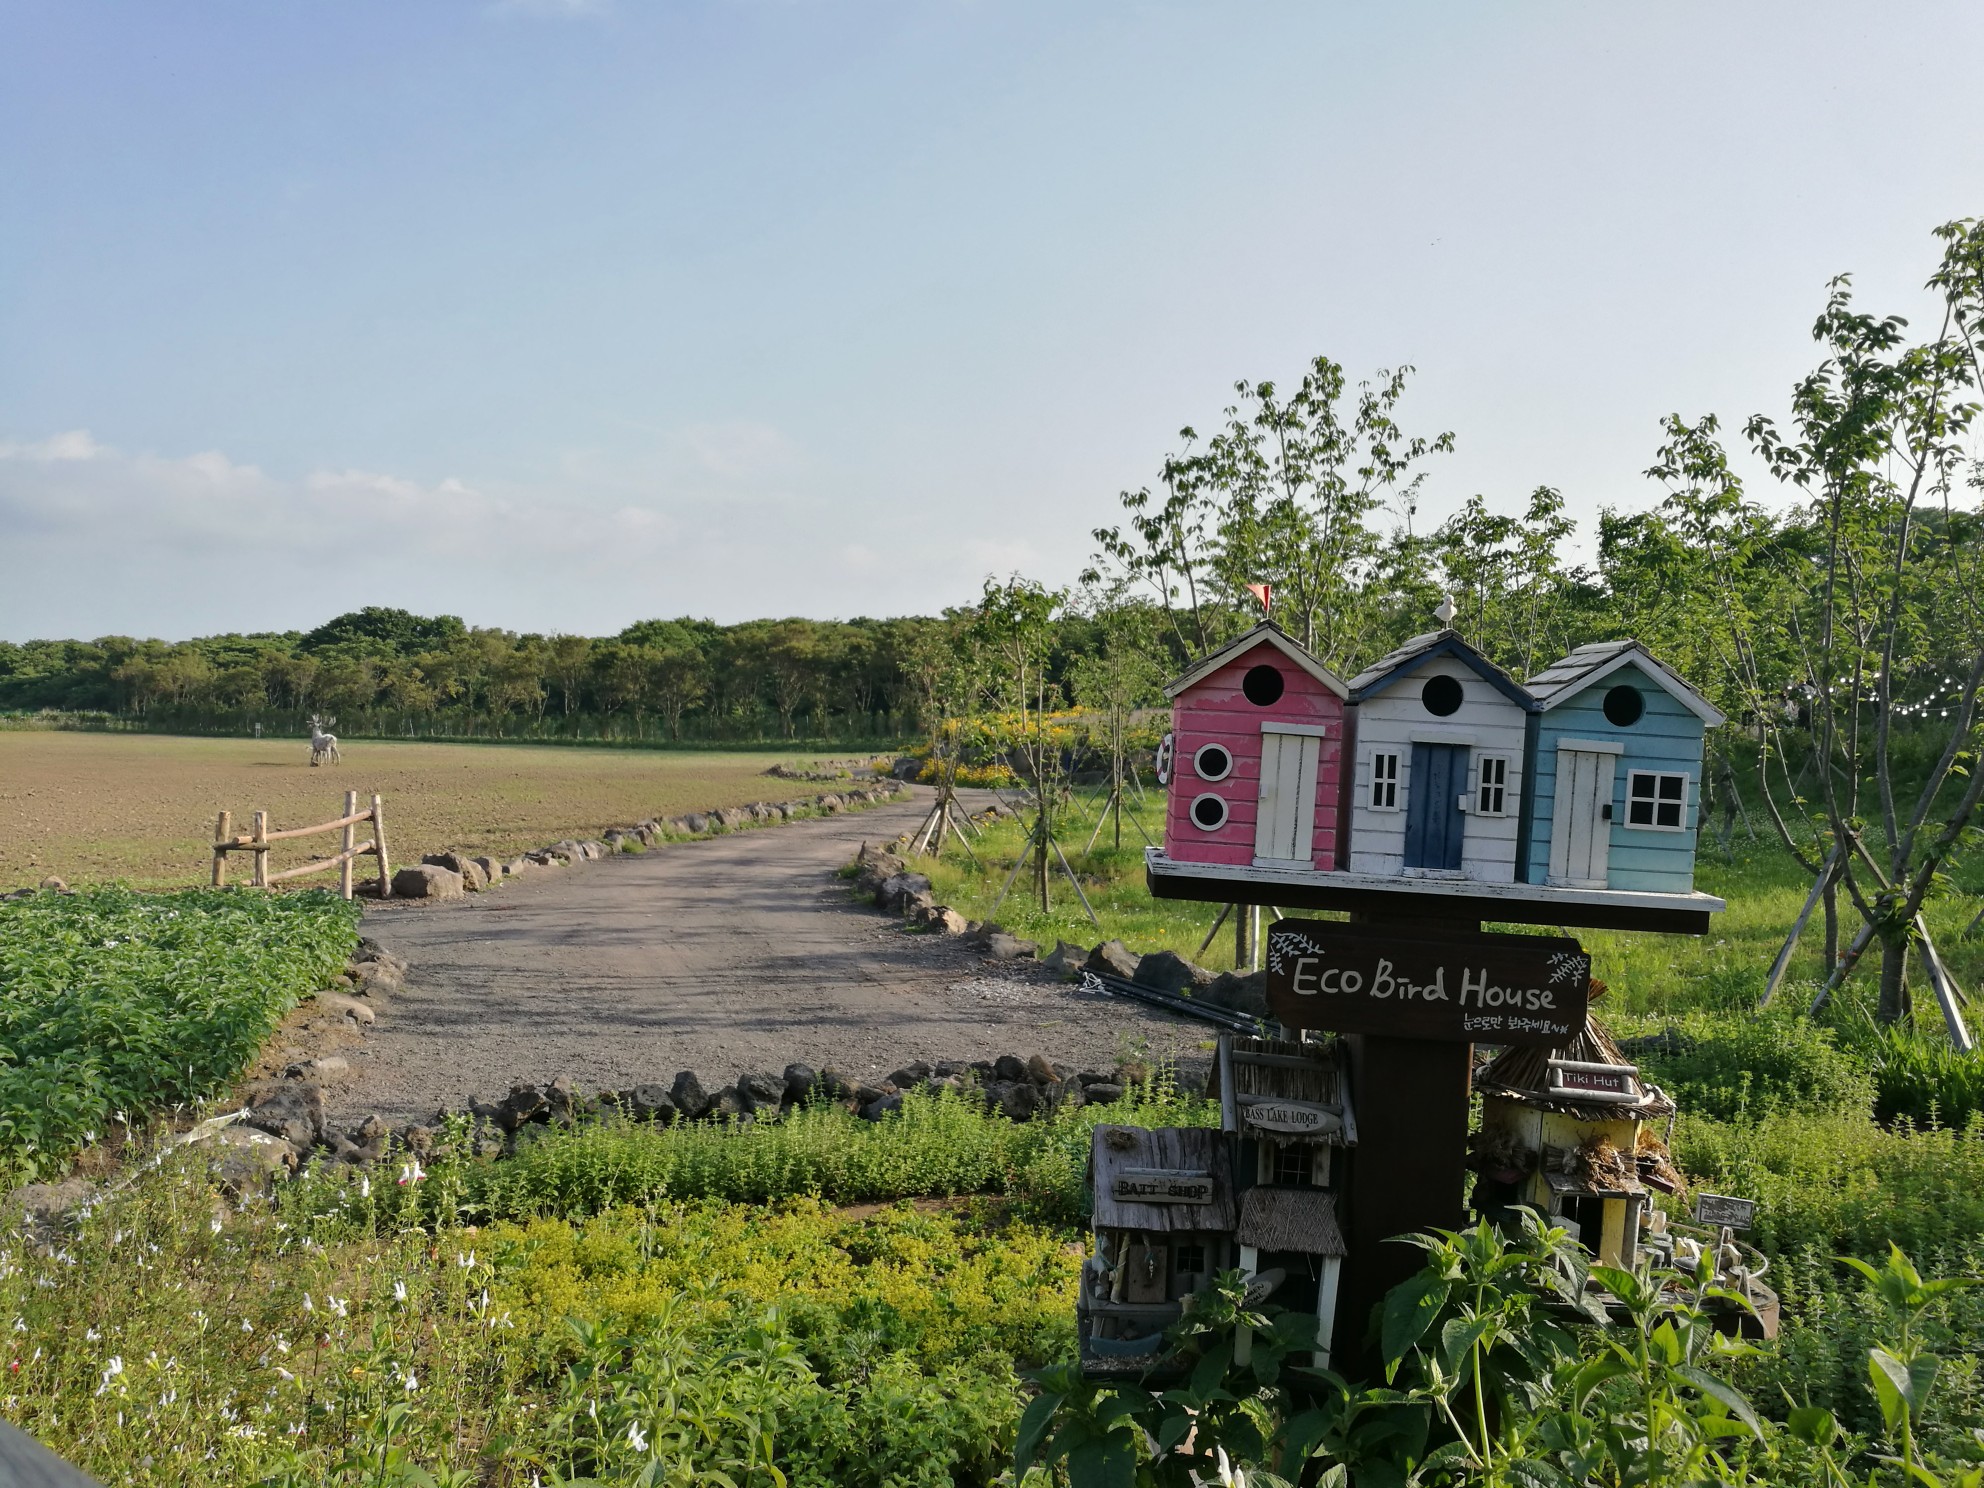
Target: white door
1581, 821
1285, 830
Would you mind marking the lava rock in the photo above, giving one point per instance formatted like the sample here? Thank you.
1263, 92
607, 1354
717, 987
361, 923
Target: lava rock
690, 1097
427, 881
1113, 958
290, 1110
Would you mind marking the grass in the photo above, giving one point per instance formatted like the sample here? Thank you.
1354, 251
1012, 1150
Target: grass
542, 1315
112, 1003
140, 808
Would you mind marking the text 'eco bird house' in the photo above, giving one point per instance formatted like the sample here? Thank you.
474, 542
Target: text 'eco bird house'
1441, 734
1256, 755
1615, 776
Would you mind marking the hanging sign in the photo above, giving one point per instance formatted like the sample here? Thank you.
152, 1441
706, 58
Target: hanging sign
1494, 989
1298, 1118
1162, 1186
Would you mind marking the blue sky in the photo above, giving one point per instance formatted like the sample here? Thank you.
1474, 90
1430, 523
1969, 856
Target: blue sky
559, 315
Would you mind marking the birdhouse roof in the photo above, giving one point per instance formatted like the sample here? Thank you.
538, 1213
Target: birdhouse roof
1396, 665
1522, 1074
1118, 1150
1570, 675
1267, 633
1299, 1219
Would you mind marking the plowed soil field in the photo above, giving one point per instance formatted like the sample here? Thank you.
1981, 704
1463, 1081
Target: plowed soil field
141, 807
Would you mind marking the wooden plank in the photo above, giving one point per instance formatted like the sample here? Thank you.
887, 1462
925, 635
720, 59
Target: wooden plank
1308, 757
261, 840
223, 829
324, 864
1420, 984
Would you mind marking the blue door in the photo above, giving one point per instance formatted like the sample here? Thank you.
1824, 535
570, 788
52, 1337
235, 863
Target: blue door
1433, 819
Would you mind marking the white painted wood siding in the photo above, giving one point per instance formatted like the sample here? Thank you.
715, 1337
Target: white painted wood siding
1488, 723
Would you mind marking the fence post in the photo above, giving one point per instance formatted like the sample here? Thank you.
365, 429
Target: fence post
223, 829
350, 841
379, 841
261, 850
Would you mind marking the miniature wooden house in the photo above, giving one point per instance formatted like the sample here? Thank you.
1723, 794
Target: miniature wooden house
1288, 1106
1257, 747
1440, 735
1164, 1221
1564, 1132
1615, 773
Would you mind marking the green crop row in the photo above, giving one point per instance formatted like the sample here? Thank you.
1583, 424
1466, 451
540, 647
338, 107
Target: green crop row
114, 1003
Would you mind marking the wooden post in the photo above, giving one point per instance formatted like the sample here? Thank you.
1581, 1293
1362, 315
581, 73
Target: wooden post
261, 850
1408, 1171
379, 842
350, 841
1819, 887
223, 829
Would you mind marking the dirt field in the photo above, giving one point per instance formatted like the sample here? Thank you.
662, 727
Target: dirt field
91, 807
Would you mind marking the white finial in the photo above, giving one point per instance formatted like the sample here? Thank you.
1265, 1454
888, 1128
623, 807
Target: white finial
1445, 613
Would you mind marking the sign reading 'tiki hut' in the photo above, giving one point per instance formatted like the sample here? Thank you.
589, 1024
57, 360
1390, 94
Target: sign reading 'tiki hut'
1500, 989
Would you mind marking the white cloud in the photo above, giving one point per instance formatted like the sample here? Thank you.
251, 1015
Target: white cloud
76, 444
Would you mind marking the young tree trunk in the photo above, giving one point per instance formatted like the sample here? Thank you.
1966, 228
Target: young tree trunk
1895, 1006
1832, 928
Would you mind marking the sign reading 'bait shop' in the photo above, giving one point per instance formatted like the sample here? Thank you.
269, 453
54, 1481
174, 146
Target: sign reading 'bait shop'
1491, 989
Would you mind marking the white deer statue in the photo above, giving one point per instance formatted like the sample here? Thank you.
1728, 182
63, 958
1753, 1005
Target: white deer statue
323, 746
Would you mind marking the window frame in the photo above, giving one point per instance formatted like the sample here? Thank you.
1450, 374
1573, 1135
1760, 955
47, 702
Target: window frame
1655, 800
1298, 1156
1380, 780
1198, 756
1225, 812
1482, 786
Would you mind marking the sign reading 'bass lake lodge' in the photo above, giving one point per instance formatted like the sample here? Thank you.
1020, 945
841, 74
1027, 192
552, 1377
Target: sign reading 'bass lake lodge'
1495, 989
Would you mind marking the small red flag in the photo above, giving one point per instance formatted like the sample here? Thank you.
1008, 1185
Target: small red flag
1265, 594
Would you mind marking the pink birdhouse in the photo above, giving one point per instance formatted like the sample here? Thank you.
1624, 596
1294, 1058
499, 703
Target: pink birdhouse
1255, 762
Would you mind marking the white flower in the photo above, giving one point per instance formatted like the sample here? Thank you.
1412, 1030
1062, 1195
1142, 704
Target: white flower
246, 1326
340, 1306
110, 1372
399, 1291
412, 1384
465, 1261
365, 1188
634, 1438
308, 1305
215, 1225
91, 1335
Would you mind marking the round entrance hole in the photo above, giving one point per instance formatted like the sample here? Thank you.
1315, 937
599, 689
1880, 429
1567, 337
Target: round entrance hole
1212, 762
1442, 696
1623, 706
1209, 813
1263, 685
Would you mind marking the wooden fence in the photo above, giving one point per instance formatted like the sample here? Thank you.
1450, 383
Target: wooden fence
226, 841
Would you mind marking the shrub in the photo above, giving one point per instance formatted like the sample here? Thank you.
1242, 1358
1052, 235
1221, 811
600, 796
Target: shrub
1733, 1066
1924, 1079
678, 1341
113, 1002
935, 1146
1842, 1184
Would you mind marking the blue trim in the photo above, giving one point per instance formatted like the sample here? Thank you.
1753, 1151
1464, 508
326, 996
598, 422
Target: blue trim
1455, 647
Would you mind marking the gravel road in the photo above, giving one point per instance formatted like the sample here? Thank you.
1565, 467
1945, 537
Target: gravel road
738, 953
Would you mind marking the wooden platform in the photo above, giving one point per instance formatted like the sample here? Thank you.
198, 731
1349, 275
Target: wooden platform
1434, 899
